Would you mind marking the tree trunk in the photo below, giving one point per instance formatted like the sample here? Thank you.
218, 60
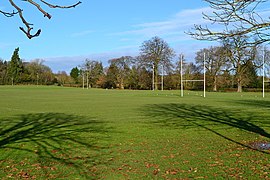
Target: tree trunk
121, 85
239, 85
87, 80
83, 81
37, 79
215, 88
215, 84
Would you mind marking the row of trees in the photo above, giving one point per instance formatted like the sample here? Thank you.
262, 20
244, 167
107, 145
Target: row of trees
244, 28
227, 66
16, 71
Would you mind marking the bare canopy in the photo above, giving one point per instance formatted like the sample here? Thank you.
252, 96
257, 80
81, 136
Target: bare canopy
238, 18
29, 27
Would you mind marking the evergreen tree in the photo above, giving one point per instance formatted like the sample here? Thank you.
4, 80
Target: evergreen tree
75, 74
251, 75
3, 71
15, 67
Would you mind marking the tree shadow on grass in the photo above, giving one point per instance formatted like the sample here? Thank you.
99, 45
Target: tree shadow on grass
184, 116
264, 104
54, 141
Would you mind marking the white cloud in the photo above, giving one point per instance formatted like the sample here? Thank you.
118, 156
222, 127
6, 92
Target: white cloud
6, 45
82, 33
69, 62
172, 30
125, 39
175, 26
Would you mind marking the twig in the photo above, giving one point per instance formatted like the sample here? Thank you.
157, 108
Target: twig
28, 25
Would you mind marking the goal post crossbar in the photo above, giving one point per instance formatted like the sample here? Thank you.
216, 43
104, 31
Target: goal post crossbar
192, 80
186, 80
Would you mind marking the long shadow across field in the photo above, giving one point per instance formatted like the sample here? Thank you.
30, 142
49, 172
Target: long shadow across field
263, 104
53, 139
184, 116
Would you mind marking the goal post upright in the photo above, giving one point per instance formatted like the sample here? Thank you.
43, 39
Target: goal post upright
181, 67
204, 70
263, 71
153, 78
162, 78
83, 79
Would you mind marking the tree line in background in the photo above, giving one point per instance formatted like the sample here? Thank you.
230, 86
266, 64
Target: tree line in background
16, 71
236, 63
227, 66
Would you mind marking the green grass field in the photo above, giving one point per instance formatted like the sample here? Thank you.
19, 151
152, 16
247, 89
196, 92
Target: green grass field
69, 133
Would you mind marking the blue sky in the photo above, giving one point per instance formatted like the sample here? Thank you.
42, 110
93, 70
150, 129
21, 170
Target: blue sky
101, 29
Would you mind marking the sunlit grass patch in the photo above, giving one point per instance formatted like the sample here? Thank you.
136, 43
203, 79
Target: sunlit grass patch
53, 132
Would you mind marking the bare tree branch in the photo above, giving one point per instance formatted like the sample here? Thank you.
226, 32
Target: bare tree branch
63, 7
238, 18
8, 14
29, 26
39, 8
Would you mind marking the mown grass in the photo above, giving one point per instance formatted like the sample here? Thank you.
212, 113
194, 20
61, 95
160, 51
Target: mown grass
54, 132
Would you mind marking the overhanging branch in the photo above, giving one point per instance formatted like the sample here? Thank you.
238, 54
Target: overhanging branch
238, 18
63, 7
28, 25
8, 14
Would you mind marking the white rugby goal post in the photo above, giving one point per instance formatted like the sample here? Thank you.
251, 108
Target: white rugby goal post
162, 78
264, 81
188, 80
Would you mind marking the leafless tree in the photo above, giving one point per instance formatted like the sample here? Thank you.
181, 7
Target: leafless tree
239, 56
238, 18
123, 69
29, 26
216, 60
155, 52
